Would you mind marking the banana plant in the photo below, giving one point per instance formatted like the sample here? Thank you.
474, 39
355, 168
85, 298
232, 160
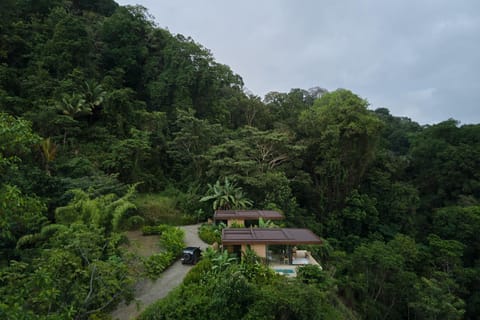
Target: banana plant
226, 196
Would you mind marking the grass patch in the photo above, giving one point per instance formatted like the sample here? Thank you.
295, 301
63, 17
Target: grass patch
160, 209
141, 245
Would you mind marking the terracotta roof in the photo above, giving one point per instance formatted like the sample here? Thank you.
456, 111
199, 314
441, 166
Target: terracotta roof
232, 236
247, 215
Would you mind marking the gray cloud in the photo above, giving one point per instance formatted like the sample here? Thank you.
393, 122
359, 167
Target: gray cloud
418, 58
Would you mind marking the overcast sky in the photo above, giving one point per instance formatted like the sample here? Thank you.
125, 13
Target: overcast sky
418, 58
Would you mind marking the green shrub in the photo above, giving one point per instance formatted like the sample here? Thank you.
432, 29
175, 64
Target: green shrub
134, 222
157, 263
151, 230
172, 240
311, 274
210, 233
198, 272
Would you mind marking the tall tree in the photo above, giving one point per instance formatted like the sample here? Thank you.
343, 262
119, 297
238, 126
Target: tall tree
341, 137
446, 165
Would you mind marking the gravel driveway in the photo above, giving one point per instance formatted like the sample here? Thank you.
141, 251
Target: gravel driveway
148, 291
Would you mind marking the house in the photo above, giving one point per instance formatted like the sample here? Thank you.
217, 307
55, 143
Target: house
245, 218
276, 246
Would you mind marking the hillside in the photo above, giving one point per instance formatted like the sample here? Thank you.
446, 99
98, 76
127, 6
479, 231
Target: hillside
98, 104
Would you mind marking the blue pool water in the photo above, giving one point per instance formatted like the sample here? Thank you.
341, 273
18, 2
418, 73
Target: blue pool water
284, 270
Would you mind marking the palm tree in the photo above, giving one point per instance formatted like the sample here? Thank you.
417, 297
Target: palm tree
71, 106
49, 151
226, 196
94, 94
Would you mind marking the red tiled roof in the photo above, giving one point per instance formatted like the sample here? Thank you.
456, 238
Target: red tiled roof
247, 215
236, 236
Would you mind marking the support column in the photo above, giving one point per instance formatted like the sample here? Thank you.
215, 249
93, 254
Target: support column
289, 254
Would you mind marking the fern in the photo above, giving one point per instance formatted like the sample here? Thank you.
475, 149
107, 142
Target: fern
120, 212
51, 229
106, 211
28, 240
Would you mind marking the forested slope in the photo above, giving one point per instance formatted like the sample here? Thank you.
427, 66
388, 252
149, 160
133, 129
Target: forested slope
94, 98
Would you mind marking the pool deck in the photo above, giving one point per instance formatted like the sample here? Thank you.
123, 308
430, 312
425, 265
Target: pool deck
276, 262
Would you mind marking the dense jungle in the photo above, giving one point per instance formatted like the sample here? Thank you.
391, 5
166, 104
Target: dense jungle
100, 108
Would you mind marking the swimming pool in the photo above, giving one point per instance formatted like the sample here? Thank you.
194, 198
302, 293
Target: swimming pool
289, 272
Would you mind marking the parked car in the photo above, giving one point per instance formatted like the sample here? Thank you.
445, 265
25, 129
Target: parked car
191, 255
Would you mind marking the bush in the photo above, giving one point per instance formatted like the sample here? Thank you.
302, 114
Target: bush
172, 240
134, 222
152, 230
210, 233
311, 274
198, 272
157, 263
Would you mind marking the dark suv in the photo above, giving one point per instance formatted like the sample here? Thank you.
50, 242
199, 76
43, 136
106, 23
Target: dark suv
191, 255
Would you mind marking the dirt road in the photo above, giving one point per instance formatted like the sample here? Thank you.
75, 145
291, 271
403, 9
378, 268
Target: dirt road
148, 291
